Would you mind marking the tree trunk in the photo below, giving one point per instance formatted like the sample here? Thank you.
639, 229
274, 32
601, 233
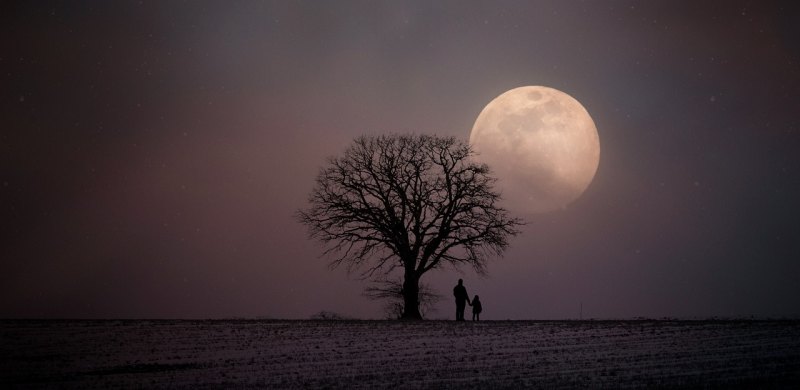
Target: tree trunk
411, 297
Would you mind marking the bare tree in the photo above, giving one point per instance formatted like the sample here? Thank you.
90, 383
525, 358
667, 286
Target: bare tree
408, 202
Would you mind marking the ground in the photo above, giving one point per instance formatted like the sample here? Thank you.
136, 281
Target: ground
388, 354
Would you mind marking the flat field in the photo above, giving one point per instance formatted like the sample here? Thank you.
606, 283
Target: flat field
386, 354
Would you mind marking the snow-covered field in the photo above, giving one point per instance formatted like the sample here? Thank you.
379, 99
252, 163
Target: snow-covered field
385, 354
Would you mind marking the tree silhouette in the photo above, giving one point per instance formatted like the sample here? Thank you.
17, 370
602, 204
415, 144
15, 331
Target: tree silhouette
408, 202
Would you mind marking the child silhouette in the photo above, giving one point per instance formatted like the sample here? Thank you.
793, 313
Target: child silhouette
476, 309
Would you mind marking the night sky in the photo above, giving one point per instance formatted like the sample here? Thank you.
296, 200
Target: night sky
152, 155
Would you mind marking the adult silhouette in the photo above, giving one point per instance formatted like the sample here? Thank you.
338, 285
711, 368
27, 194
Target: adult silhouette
462, 298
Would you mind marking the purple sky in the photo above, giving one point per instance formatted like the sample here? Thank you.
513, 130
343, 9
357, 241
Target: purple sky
152, 155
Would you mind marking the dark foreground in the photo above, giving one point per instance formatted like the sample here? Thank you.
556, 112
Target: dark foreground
380, 354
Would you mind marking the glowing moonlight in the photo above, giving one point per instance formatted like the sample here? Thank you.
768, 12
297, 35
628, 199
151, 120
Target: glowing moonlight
542, 146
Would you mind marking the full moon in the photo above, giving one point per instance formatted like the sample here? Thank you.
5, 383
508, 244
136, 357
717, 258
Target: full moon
541, 145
